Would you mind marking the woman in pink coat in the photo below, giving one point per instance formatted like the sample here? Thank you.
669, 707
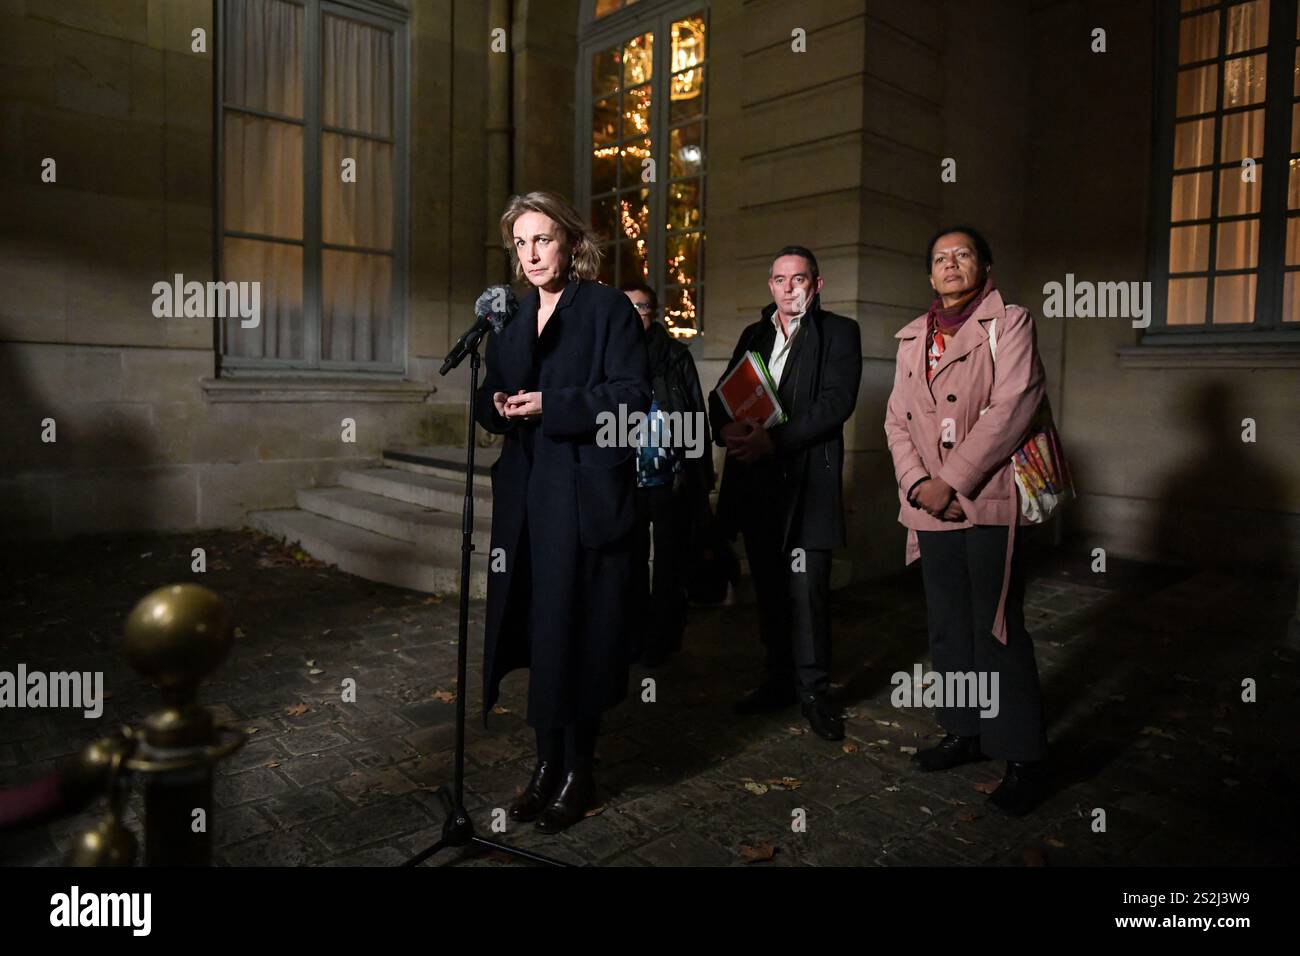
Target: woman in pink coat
953, 422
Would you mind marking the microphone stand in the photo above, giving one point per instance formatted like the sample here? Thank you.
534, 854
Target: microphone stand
458, 828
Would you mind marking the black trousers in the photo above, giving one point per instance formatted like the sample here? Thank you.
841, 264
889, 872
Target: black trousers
572, 748
793, 592
963, 571
662, 515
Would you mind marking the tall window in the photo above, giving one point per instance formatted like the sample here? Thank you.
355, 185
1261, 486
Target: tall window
1227, 248
313, 183
642, 149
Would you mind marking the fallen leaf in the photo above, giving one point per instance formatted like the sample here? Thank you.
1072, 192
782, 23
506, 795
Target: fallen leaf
892, 789
757, 854
968, 817
251, 730
1053, 841
1157, 732
755, 788
986, 786
445, 696
785, 783
297, 710
311, 662
498, 709
962, 840
314, 671
796, 731
595, 811
927, 810
850, 748
272, 765
433, 599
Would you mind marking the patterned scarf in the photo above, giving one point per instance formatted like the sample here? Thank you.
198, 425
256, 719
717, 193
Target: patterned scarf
949, 321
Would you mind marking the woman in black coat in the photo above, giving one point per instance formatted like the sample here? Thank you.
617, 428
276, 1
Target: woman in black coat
563, 507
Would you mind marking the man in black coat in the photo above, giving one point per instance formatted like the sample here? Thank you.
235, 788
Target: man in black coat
782, 487
674, 478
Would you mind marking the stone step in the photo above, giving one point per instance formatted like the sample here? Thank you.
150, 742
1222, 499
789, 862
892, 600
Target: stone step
443, 461
430, 530
372, 556
427, 491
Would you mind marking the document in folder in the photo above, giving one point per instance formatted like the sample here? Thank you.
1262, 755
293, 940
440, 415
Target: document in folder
749, 394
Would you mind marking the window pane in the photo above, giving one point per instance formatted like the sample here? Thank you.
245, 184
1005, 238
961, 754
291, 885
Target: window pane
687, 96
604, 218
632, 262
682, 261
1237, 198
1293, 241
1243, 80
1238, 245
1186, 304
1198, 38
263, 56
684, 210
1243, 135
1198, 90
1189, 249
1247, 26
1291, 298
606, 70
636, 112
1293, 188
604, 169
262, 176
638, 60
357, 213
688, 42
605, 7
356, 307
1296, 86
604, 121
1194, 143
681, 308
358, 72
1195, 4
633, 155
278, 267
634, 214
686, 153
1295, 128
1234, 299
1191, 197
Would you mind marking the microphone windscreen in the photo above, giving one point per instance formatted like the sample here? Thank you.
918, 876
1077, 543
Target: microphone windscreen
498, 305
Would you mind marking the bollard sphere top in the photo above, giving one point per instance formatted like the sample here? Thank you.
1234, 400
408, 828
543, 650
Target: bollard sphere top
178, 634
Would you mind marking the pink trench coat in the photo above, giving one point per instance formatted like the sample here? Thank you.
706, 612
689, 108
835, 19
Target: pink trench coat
964, 425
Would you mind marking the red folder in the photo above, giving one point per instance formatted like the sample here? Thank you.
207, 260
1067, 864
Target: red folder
749, 394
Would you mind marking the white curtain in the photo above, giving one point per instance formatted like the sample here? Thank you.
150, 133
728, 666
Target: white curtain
263, 182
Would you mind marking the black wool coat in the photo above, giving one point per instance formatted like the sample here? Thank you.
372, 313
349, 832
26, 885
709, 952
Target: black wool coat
566, 501
801, 486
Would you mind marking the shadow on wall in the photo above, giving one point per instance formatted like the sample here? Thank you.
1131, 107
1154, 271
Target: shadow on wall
1223, 507
89, 479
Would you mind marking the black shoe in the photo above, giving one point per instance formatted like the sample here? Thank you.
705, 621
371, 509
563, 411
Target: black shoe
538, 793
1023, 787
766, 699
952, 751
824, 717
576, 796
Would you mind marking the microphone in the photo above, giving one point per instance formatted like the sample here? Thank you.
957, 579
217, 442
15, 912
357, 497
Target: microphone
494, 308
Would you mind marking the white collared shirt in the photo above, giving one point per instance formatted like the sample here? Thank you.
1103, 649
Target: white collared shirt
781, 347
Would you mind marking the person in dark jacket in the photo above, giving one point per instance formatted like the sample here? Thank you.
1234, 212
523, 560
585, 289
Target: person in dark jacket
563, 506
782, 486
674, 478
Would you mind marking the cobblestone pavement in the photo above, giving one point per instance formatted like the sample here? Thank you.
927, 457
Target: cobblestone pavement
1142, 670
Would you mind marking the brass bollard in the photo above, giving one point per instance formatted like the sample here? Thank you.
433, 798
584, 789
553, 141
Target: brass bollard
175, 637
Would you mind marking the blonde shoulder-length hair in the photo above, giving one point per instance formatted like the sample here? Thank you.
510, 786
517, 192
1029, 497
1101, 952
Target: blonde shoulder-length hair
584, 251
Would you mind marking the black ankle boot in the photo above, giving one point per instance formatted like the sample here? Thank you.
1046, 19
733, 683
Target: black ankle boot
577, 795
538, 793
1023, 787
952, 751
